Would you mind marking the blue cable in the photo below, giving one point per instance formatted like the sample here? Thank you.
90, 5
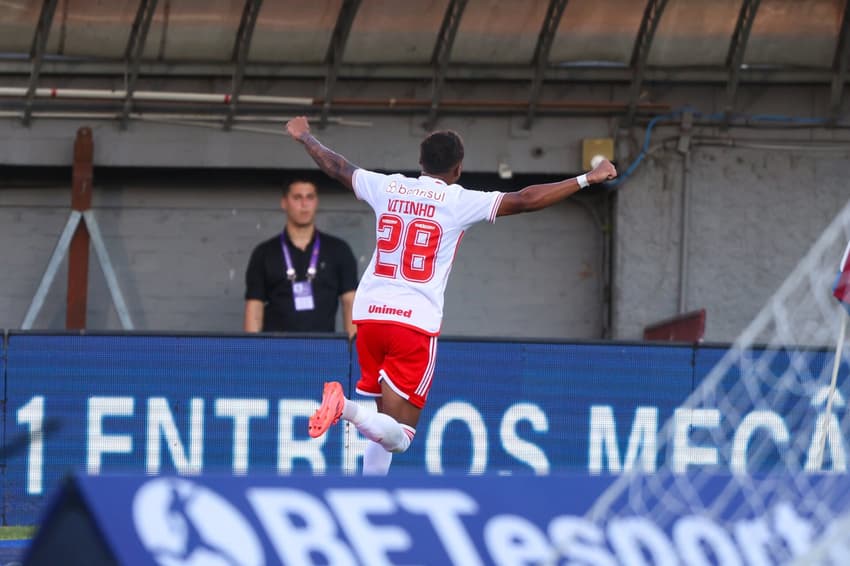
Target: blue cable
785, 119
698, 115
646, 138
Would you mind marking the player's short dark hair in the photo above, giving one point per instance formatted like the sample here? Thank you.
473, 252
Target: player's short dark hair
440, 152
288, 185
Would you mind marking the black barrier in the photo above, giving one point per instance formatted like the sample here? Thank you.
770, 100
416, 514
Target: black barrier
70, 534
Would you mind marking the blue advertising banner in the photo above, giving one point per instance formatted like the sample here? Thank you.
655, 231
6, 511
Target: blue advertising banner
468, 521
163, 404
239, 405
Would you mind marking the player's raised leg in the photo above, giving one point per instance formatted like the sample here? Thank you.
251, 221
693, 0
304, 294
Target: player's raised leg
383, 429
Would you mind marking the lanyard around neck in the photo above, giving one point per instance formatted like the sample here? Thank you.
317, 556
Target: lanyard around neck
314, 258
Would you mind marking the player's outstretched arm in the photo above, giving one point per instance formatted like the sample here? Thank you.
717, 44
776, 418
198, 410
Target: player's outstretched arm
535, 197
333, 164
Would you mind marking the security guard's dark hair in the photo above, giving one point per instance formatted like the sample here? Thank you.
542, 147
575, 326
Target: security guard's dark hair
288, 185
440, 152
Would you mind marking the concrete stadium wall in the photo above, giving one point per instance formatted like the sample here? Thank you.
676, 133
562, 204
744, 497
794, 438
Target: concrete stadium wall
180, 250
760, 195
180, 253
753, 215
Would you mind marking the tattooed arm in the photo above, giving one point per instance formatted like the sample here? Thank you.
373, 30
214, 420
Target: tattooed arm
333, 164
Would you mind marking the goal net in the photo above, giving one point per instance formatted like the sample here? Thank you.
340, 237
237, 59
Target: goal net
763, 412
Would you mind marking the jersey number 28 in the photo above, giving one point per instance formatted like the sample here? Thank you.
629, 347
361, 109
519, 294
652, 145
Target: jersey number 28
419, 240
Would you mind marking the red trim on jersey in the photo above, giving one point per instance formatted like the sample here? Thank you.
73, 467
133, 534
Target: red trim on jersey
495, 211
354, 183
403, 324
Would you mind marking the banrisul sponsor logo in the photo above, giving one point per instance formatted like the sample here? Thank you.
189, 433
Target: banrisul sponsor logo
399, 189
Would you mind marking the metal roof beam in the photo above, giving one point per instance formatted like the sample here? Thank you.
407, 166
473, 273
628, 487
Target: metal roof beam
541, 55
336, 51
839, 65
640, 54
684, 74
241, 48
737, 48
133, 52
39, 46
441, 56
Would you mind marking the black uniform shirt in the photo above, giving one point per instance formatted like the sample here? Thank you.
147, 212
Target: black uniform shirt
266, 281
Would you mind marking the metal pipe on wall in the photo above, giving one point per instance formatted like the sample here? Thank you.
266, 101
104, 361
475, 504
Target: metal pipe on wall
195, 120
303, 101
601, 225
685, 229
146, 95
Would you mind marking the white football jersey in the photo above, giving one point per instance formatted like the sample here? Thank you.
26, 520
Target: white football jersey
419, 225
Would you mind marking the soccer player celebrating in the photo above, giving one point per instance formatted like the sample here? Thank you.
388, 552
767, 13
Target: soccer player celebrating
398, 306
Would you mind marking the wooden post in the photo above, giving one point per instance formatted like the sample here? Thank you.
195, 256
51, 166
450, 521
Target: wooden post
78, 253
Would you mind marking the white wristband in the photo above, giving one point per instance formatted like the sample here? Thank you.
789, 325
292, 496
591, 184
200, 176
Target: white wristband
582, 181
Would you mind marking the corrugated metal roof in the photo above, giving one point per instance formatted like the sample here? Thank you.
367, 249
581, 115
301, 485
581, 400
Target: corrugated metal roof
601, 40
493, 32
